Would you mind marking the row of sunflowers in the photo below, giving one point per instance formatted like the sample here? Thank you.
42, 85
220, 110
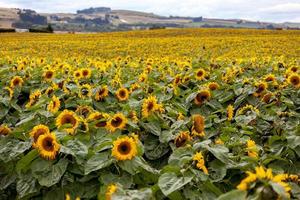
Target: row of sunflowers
167, 114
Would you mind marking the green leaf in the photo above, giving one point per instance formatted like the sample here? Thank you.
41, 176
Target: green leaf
142, 194
26, 160
98, 161
170, 182
234, 194
26, 185
52, 174
11, 148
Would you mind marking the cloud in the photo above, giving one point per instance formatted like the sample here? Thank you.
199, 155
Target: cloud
263, 10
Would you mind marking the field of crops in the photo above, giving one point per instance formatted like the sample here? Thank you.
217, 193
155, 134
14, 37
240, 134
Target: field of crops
165, 114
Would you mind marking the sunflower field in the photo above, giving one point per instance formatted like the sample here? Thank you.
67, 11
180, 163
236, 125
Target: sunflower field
164, 114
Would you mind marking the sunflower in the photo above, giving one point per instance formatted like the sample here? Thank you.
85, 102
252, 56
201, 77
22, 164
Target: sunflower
109, 191
177, 80
100, 118
200, 74
200, 162
37, 131
54, 105
213, 86
149, 106
122, 94
48, 75
252, 149
101, 93
260, 88
48, 146
124, 148
86, 73
202, 96
246, 108
133, 116
198, 125
182, 139
117, 121
255, 179
33, 98
84, 110
16, 81
267, 97
85, 91
230, 112
68, 118
10, 92
294, 79
77, 74
4, 130
270, 78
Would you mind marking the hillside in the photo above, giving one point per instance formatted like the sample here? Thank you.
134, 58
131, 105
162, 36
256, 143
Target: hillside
106, 19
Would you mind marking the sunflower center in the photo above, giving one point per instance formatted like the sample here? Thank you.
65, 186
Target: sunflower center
101, 92
150, 106
200, 73
122, 93
68, 119
49, 75
295, 80
48, 144
124, 148
38, 133
85, 73
202, 96
116, 122
16, 82
84, 91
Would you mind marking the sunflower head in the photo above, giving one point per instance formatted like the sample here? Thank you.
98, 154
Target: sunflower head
294, 79
122, 94
4, 130
48, 146
86, 73
110, 190
124, 148
198, 125
202, 96
69, 119
77, 74
117, 121
149, 106
16, 81
37, 131
48, 75
230, 112
200, 74
270, 78
101, 93
101, 119
85, 91
182, 139
213, 86
84, 111
54, 104
261, 87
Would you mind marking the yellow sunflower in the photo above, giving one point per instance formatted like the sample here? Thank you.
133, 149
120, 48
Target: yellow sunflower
117, 121
86, 73
85, 91
213, 86
37, 131
101, 93
109, 191
124, 148
84, 110
261, 87
294, 79
198, 125
68, 118
230, 112
54, 105
150, 106
33, 98
16, 81
200, 74
122, 94
182, 139
48, 75
202, 96
48, 146
77, 74
4, 130
100, 118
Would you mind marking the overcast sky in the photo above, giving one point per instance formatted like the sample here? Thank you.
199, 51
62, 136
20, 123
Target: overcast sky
263, 10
